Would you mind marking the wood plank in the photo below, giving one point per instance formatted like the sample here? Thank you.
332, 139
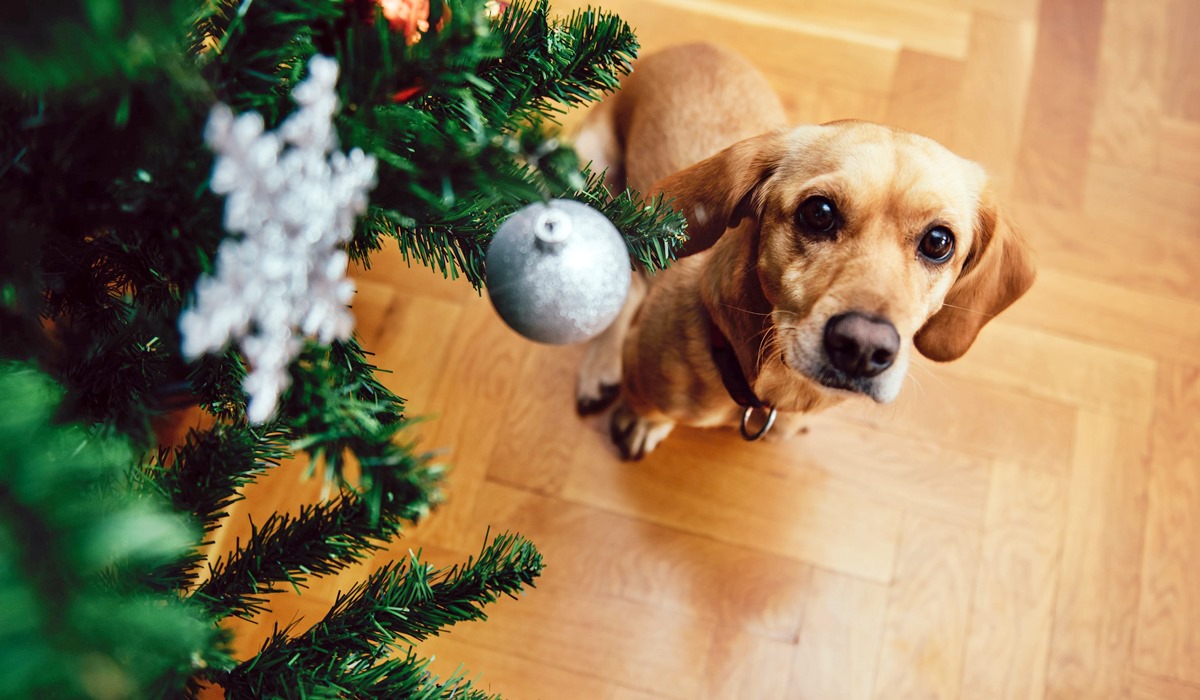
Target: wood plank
1168, 638
540, 420
837, 652
926, 89
783, 49
1179, 150
1133, 63
1158, 259
477, 374
497, 672
631, 559
1124, 195
735, 495
1146, 687
1062, 93
928, 611
413, 330
372, 299
1017, 9
411, 278
1097, 599
995, 82
1181, 89
1111, 315
743, 665
643, 647
1013, 610
940, 31
943, 409
833, 102
1061, 369
936, 481
624, 693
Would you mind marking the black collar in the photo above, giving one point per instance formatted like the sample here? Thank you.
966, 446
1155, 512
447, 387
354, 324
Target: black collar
732, 375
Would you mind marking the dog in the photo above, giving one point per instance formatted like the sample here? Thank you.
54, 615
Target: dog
818, 256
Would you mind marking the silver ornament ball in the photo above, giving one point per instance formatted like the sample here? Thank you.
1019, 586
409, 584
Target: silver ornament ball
558, 272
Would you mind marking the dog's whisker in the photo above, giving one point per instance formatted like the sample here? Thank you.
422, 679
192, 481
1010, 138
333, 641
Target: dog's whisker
771, 344
916, 382
745, 311
970, 311
928, 371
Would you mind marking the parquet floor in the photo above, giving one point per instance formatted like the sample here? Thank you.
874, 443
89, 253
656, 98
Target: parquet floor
1021, 524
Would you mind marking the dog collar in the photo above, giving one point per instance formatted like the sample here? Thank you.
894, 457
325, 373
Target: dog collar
736, 383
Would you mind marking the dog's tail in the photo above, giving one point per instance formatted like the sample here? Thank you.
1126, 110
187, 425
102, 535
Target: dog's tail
599, 142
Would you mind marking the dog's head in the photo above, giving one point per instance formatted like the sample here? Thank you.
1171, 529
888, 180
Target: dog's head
870, 241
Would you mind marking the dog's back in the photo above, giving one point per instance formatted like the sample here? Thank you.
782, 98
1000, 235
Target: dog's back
689, 101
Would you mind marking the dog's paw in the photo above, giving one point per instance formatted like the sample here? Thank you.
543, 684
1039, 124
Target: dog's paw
599, 380
634, 435
586, 405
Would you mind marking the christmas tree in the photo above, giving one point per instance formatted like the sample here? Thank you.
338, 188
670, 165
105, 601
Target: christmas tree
137, 278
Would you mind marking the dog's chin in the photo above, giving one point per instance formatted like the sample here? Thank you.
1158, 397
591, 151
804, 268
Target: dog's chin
835, 382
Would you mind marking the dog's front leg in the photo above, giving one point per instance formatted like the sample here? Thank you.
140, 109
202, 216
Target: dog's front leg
635, 435
599, 379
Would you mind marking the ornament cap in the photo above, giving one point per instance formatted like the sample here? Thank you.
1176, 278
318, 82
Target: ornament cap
552, 228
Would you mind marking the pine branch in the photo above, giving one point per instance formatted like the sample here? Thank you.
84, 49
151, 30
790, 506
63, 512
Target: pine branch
66, 521
338, 410
115, 384
568, 62
413, 601
80, 45
457, 244
400, 603
406, 676
322, 539
398, 486
206, 474
216, 381
409, 677
203, 477
256, 50
480, 131
654, 231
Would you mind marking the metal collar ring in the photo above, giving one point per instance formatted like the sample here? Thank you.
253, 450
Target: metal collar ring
768, 421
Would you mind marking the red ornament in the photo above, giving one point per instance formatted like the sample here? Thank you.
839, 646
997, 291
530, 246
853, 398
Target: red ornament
407, 93
410, 18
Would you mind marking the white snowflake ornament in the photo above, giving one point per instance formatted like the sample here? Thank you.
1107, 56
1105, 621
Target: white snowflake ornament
293, 199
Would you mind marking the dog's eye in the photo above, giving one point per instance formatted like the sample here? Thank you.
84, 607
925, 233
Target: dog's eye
818, 215
937, 245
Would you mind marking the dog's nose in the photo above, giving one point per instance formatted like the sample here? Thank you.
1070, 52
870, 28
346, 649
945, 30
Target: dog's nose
859, 345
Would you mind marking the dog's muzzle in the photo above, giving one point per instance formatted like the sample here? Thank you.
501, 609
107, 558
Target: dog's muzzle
855, 350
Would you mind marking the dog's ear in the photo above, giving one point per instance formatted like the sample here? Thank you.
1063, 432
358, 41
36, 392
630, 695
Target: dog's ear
998, 270
716, 193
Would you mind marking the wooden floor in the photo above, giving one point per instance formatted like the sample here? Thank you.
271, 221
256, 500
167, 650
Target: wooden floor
1023, 523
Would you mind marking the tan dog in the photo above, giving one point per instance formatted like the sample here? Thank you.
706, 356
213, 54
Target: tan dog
819, 256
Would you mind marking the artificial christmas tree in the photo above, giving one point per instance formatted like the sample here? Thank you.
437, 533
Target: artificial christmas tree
112, 222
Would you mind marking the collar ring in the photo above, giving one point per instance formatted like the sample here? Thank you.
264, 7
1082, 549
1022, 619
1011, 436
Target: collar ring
768, 421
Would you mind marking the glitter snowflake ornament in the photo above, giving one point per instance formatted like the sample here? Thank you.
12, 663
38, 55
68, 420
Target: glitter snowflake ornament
292, 197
